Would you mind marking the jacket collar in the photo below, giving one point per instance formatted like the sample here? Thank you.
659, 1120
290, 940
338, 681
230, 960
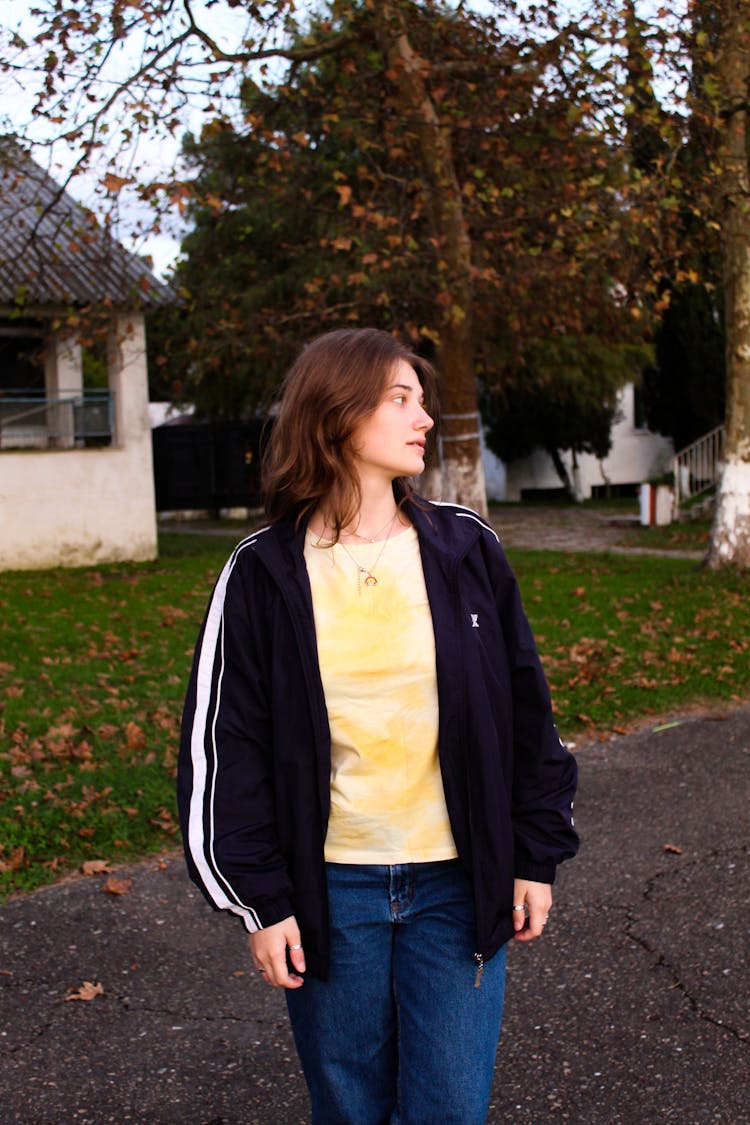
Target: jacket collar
449, 529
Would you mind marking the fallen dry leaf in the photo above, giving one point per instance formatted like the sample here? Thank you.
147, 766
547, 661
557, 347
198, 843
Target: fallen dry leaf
95, 867
86, 991
164, 820
673, 849
117, 886
170, 614
13, 861
135, 736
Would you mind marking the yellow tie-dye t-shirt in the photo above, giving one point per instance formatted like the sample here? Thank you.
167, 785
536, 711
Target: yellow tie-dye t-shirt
376, 649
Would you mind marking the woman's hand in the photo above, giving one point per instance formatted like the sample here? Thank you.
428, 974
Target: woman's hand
532, 903
269, 947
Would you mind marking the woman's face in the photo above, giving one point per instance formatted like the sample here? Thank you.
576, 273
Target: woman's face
391, 442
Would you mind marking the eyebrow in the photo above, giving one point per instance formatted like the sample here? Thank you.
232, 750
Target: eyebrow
407, 387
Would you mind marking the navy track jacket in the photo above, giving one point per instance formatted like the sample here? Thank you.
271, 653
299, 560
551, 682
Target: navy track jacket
255, 761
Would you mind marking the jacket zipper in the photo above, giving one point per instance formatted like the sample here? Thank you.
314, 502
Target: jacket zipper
479, 961
478, 957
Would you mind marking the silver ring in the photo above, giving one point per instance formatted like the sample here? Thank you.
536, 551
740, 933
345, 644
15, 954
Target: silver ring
295, 946
260, 970
518, 907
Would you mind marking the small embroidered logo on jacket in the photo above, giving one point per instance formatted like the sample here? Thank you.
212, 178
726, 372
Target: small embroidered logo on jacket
474, 620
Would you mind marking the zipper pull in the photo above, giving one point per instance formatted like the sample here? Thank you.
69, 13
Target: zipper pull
480, 969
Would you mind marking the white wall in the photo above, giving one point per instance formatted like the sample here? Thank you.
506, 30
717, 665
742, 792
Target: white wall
635, 456
495, 474
74, 507
161, 412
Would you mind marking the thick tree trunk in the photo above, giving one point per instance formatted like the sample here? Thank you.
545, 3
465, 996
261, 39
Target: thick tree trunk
462, 473
562, 472
730, 540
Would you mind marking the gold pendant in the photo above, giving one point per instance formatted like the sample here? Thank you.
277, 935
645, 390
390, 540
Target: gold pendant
371, 580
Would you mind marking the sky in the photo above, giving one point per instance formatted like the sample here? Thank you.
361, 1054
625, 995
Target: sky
156, 155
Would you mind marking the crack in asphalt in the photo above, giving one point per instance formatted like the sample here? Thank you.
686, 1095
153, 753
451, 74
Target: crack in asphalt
662, 962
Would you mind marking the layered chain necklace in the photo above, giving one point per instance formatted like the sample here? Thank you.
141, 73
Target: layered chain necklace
366, 574
371, 538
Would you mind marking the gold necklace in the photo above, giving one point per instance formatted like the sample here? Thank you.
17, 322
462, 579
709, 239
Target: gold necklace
372, 538
368, 572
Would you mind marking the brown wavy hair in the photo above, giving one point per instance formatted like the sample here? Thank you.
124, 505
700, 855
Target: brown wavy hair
335, 384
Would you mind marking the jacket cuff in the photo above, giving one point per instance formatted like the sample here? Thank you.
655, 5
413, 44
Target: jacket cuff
535, 872
271, 913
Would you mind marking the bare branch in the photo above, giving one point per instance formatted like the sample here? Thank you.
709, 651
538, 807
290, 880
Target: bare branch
291, 54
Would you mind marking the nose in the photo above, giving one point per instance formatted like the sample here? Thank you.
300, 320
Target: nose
423, 420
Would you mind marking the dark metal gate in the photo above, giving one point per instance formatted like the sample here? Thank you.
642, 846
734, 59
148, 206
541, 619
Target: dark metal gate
203, 465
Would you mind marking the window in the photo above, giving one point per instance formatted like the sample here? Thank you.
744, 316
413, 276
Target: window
32, 416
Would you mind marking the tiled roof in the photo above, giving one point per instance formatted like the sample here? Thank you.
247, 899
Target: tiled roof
52, 250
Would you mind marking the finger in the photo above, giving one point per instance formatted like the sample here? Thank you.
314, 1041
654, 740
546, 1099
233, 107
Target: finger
294, 943
537, 918
524, 935
264, 965
293, 954
278, 967
297, 956
536, 922
279, 976
519, 916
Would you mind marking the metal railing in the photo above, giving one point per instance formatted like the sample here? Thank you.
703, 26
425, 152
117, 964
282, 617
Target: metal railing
66, 420
697, 468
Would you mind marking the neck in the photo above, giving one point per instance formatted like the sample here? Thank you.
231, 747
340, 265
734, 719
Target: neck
376, 518
377, 507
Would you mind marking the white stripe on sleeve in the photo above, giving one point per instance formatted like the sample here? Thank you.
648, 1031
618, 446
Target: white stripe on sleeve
202, 850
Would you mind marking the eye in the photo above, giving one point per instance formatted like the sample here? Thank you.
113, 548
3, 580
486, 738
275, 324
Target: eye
399, 398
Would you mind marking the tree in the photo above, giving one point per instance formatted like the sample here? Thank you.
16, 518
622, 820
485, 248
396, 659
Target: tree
727, 86
441, 74
701, 185
565, 399
312, 214
683, 389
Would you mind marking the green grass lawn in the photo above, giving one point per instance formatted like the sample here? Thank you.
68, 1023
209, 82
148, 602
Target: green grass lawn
692, 536
627, 636
93, 666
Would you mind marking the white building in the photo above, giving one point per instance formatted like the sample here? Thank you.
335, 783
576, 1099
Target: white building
637, 455
76, 476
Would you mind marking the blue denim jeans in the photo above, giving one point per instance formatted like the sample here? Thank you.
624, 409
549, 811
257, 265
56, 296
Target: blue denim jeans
399, 1032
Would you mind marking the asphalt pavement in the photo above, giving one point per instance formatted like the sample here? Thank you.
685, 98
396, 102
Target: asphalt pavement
632, 1010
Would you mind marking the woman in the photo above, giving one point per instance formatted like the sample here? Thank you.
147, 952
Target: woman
370, 776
